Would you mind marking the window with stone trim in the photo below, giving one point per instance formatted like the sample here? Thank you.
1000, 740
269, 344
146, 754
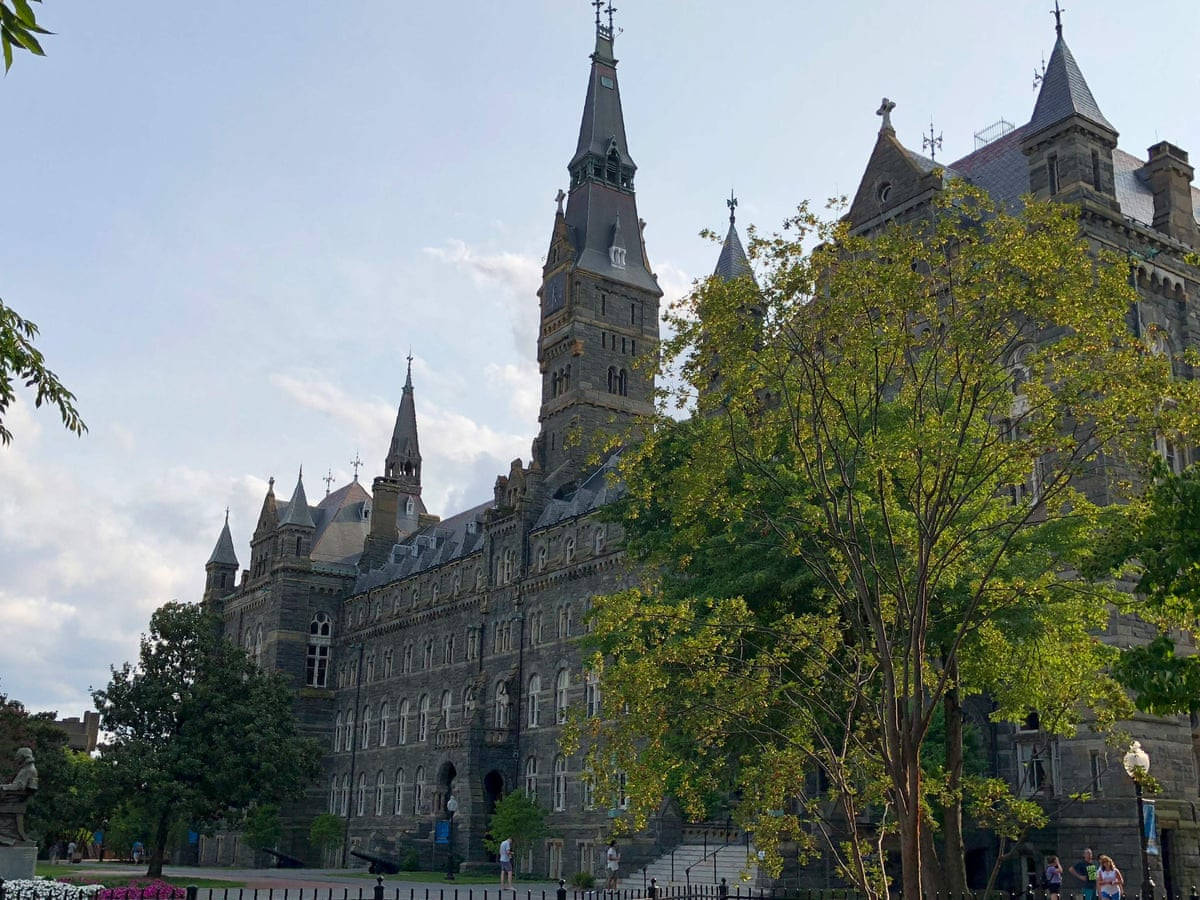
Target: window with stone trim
366, 728
406, 663
427, 658
388, 658
448, 649
333, 795
380, 789
447, 708
337, 734
385, 712
592, 694
560, 783
350, 734
402, 723
561, 685
423, 718
502, 705
531, 778
569, 549
360, 805
320, 638
398, 795
535, 702
370, 670
346, 794
419, 792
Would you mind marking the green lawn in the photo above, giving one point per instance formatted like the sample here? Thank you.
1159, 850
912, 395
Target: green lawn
91, 872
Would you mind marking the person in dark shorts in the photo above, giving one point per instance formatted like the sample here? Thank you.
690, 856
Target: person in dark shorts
1084, 872
506, 862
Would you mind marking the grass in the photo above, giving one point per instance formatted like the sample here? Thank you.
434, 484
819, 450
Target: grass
91, 872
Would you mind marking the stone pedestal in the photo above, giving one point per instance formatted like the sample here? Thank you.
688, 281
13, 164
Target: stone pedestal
18, 861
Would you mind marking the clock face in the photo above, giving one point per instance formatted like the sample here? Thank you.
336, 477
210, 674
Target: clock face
554, 294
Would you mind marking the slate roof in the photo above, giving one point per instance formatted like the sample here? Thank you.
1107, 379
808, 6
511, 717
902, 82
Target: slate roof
223, 553
597, 490
297, 512
342, 521
433, 545
732, 263
1064, 93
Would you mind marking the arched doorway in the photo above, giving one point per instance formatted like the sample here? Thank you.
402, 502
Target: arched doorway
493, 790
445, 785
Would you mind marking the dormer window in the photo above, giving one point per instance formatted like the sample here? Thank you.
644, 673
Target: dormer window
409, 507
616, 256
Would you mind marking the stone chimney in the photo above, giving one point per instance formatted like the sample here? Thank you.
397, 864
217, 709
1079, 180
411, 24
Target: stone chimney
1170, 178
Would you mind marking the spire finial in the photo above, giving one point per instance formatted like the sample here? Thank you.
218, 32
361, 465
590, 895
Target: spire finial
408, 375
885, 111
732, 204
271, 484
931, 142
559, 198
300, 477
599, 4
356, 463
612, 9
328, 479
1057, 13
227, 516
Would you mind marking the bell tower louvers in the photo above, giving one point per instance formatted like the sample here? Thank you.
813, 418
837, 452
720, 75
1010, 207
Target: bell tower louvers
599, 299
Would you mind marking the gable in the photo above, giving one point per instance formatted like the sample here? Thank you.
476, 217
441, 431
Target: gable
894, 177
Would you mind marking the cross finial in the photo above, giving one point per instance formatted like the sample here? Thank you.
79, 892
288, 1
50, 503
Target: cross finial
1057, 13
356, 463
732, 204
227, 515
931, 142
559, 198
612, 9
885, 111
328, 479
271, 483
599, 4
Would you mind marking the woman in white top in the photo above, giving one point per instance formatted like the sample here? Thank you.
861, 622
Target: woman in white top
1109, 880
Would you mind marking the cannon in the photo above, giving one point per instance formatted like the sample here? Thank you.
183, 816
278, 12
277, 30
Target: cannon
283, 861
379, 865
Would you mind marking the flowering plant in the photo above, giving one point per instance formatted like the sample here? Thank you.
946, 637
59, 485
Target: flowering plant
143, 890
43, 889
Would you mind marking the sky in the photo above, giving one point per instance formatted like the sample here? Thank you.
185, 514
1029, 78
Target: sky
233, 220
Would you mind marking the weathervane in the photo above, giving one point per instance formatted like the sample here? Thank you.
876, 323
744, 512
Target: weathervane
732, 204
931, 143
356, 463
328, 479
1039, 76
1057, 13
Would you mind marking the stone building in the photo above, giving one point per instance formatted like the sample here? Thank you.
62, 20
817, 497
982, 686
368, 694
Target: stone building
436, 656
1146, 211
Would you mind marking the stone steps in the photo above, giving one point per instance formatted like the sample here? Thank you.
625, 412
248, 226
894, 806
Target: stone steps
728, 862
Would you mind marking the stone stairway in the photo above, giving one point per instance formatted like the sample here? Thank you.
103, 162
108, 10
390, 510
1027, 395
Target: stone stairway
729, 862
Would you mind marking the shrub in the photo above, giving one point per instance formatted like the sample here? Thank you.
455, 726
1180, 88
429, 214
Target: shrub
583, 880
143, 890
411, 861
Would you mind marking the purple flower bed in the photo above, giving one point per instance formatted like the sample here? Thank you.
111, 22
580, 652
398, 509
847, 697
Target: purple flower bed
143, 890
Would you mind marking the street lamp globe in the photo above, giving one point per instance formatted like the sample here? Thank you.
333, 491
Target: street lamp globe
452, 805
1136, 759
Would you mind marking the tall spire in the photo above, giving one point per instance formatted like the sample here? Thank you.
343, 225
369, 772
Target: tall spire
298, 512
602, 173
404, 453
268, 517
732, 263
223, 553
1064, 91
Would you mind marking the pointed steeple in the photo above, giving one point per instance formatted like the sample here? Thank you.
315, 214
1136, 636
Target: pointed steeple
602, 176
268, 518
404, 453
732, 263
1064, 92
298, 512
223, 553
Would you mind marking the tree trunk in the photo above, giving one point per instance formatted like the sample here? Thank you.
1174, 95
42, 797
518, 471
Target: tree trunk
954, 855
932, 882
908, 809
162, 833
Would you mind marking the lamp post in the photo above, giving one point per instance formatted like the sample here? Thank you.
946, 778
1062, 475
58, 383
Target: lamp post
452, 808
1137, 764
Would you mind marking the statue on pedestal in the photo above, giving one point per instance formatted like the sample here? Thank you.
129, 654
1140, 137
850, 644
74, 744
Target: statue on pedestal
15, 797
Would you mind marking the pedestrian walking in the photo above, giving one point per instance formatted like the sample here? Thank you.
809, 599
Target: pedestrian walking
1109, 880
1085, 871
506, 862
612, 864
1053, 877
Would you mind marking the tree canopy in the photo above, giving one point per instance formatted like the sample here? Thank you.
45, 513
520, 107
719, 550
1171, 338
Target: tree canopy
518, 817
901, 456
19, 29
198, 733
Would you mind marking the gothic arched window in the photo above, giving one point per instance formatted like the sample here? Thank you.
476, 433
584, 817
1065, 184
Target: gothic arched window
447, 707
560, 783
623, 383
384, 712
402, 723
612, 380
535, 701
366, 729
531, 778
560, 695
361, 804
419, 791
380, 785
398, 797
423, 718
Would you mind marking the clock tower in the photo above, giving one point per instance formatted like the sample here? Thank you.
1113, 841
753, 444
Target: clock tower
598, 336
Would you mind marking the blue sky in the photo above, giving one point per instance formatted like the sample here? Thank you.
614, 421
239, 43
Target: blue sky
231, 221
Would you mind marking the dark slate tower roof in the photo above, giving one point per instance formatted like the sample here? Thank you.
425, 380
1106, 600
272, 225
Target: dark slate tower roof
223, 553
1064, 93
602, 174
298, 512
732, 263
404, 447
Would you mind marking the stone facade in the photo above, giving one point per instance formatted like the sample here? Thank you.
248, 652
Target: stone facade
434, 657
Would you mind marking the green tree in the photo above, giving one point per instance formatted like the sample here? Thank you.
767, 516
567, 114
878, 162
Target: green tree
262, 828
517, 817
19, 29
21, 361
325, 833
198, 732
67, 797
906, 430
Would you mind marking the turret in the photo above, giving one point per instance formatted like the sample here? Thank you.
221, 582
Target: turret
297, 528
222, 566
264, 533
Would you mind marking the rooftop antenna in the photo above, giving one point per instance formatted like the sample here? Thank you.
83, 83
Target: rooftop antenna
931, 143
732, 204
1057, 13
